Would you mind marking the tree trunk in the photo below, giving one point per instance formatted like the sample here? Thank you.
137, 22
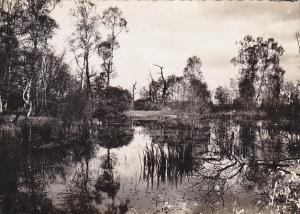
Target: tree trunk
1, 105
87, 74
108, 74
29, 110
133, 94
110, 68
82, 80
26, 98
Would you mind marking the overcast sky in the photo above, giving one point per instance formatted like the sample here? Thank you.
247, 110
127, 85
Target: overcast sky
168, 32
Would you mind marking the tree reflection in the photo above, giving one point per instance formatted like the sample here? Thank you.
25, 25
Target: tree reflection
171, 155
236, 157
85, 193
258, 154
28, 168
25, 172
217, 160
167, 163
79, 196
108, 182
113, 134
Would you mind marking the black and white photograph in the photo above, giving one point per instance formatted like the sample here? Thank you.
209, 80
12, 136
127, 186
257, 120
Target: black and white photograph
149, 107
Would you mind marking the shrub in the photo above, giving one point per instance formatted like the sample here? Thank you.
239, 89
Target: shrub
112, 102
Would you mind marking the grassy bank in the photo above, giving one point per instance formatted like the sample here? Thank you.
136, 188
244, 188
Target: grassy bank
169, 115
150, 115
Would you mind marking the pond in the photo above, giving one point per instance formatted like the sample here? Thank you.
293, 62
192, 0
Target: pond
150, 167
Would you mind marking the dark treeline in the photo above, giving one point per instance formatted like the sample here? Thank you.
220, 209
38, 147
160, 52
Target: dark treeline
35, 80
259, 86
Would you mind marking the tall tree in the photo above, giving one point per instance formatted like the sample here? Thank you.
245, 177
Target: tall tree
56, 82
222, 95
193, 76
193, 68
199, 92
273, 89
259, 62
11, 28
114, 21
247, 59
83, 40
196, 89
269, 70
38, 27
247, 90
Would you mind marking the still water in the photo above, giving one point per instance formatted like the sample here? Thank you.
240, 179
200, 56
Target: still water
150, 167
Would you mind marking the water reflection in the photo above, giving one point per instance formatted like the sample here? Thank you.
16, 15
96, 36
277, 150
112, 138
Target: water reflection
167, 163
250, 158
85, 192
25, 172
207, 166
172, 154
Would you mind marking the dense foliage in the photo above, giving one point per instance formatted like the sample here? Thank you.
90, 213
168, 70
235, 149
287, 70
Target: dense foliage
35, 80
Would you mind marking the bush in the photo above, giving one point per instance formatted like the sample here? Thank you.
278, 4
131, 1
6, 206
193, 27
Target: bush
73, 106
112, 102
146, 105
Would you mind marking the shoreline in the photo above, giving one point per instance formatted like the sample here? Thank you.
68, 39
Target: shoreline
169, 115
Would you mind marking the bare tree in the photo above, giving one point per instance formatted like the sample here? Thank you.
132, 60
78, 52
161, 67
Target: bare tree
164, 82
